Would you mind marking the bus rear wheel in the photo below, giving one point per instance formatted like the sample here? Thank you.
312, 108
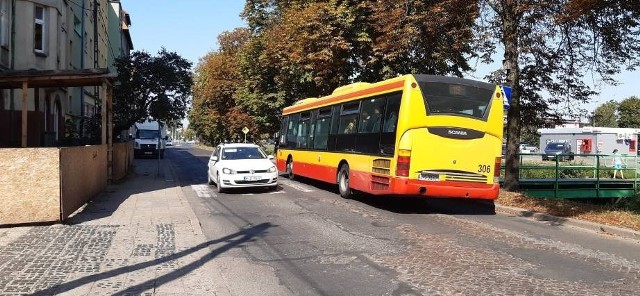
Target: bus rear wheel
289, 172
343, 182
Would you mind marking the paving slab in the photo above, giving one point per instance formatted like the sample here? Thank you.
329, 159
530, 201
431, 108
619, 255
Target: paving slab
139, 237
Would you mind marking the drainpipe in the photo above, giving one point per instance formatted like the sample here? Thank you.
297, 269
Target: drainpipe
95, 33
96, 63
12, 67
82, 67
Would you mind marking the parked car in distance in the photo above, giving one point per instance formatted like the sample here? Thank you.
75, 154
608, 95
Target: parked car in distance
562, 150
241, 165
169, 142
528, 148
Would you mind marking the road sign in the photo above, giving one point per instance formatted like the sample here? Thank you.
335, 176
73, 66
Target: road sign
245, 130
506, 102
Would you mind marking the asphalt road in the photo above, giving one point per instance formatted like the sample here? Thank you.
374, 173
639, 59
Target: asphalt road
313, 242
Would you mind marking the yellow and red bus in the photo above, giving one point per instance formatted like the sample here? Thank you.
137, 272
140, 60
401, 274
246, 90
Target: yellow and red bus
418, 135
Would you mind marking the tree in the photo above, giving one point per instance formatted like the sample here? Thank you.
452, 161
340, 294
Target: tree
605, 115
304, 49
419, 36
549, 47
150, 86
305, 53
215, 115
629, 110
189, 134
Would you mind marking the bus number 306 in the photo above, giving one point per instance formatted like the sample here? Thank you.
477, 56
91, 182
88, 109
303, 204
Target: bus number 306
484, 168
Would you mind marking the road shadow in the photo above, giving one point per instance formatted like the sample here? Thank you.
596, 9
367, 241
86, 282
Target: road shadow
143, 177
189, 165
229, 242
412, 204
427, 205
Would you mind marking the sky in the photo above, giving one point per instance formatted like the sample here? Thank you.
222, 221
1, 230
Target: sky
191, 28
188, 27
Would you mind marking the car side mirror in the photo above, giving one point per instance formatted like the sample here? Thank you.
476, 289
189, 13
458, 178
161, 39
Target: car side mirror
214, 158
270, 157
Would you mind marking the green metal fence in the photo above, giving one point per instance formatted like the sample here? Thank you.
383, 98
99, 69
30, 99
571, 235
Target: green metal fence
576, 176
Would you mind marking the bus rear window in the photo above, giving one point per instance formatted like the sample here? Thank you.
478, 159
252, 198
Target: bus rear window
456, 99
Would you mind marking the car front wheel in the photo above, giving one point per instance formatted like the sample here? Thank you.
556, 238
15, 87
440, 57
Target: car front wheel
219, 188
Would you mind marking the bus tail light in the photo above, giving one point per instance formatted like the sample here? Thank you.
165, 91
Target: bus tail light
404, 161
496, 170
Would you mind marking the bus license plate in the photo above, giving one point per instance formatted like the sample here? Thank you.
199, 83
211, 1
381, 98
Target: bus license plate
252, 178
429, 177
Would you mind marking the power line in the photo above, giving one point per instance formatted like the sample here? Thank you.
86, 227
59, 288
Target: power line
80, 6
109, 40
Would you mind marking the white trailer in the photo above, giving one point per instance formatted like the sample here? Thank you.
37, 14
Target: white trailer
592, 140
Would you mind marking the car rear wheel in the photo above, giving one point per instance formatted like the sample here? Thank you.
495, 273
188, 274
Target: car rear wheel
343, 182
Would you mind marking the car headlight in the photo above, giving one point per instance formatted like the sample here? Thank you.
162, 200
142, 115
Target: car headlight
271, 169
228, 171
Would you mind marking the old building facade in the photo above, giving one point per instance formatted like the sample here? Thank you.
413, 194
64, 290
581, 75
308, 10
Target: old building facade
57, 35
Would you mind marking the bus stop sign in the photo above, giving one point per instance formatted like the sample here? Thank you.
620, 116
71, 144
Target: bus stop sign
506, 91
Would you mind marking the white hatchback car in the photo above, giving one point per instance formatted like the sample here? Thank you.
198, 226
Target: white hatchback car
241, 165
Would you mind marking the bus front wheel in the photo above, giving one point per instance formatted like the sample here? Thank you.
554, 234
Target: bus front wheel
343, 181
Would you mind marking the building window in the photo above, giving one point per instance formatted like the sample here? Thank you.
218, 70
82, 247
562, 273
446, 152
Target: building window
4, 22
89, 110
77, 25
39, 30
57, 112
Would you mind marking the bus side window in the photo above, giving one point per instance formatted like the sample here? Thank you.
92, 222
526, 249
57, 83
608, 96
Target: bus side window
303, 130
311, 128
283, 132
371, 115
348, 126
388, 135
333, 131
292, 130
391, 116
321, 131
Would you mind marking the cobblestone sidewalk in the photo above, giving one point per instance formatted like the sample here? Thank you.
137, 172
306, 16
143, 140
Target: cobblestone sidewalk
140, 237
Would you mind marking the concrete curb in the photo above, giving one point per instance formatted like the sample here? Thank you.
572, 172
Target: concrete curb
554, 220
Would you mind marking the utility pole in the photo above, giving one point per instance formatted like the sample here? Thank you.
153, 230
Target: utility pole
159, 145
96, 62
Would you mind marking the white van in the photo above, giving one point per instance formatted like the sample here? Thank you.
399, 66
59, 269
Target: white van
150, 139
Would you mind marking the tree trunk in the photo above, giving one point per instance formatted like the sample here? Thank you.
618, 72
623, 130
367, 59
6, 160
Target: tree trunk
510, 24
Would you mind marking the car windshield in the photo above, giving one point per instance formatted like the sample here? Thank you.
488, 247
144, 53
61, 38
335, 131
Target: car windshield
242, 153
555, 146
148, 134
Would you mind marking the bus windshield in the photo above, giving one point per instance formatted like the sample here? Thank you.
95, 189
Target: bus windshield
456, 99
